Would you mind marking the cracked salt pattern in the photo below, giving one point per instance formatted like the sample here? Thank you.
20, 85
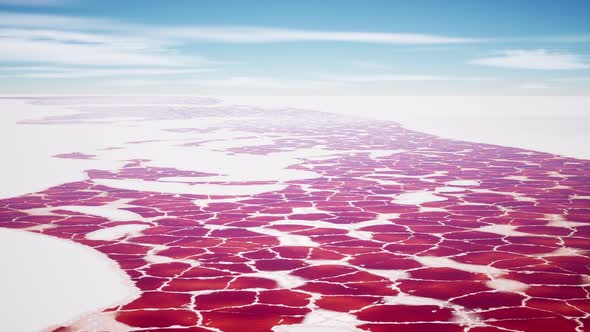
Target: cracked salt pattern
352, 225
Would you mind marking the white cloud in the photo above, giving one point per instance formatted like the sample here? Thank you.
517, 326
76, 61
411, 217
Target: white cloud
248, 34
397, 77
63, 72
42, 51
73, 37
78, 41
62, 41
241, 82
229, 34
534, 59
64, 47
230, 82
82, 48
385, 78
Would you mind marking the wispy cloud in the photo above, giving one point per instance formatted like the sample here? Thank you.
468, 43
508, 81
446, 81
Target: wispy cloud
79, 41
83, 48
534, 59
228, 34
42, 51
247, 34
69, 47
68, 72
241, 82
400, 77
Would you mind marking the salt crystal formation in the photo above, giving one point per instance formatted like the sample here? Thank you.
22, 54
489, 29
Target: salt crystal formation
386, 230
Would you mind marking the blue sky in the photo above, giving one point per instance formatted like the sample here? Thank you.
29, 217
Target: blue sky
469, 47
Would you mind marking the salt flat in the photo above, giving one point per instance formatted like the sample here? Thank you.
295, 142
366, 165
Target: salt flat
554, 124
212, 212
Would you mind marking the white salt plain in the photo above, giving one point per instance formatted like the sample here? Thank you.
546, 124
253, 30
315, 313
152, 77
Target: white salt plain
417, 198
323, 321
552, 124
107, 211
47, 281
116, 232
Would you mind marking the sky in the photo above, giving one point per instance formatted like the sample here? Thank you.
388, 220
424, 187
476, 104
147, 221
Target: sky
304, 47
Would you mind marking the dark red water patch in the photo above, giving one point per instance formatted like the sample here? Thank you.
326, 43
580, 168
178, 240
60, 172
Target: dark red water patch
159, 300
488, 300
398, 313
157, 318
